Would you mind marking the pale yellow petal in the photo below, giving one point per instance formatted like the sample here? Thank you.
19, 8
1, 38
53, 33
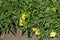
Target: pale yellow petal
52, 34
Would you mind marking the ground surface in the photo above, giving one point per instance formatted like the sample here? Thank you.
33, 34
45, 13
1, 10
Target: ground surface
18, 37
24, 37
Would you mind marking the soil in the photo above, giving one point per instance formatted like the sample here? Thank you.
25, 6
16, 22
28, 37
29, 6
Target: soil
24, 37
17, 36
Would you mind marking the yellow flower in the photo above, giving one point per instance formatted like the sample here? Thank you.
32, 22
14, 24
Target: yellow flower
54, 9
22, 19
23, 16
37, 33
21, 22
52, 34
36, 30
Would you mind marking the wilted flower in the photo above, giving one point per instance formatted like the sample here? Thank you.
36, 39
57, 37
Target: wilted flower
3, 35
34, 29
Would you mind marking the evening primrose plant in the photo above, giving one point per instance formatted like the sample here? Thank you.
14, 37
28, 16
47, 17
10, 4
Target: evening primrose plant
33, 17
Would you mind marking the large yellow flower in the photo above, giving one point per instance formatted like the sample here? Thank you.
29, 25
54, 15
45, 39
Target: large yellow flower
22, 19
52, 34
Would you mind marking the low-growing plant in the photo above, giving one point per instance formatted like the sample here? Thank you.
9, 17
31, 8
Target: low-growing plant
34, 17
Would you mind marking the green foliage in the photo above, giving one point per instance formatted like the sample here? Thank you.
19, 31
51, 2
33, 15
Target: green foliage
42, 14
9, 16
